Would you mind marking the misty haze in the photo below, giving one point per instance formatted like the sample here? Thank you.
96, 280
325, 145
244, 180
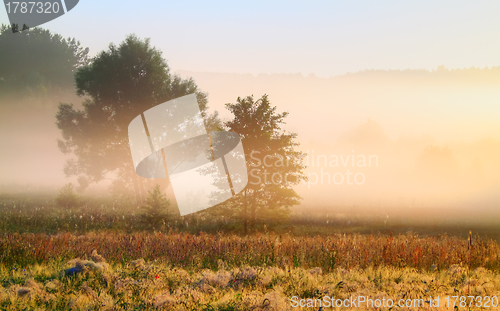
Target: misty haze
381, 185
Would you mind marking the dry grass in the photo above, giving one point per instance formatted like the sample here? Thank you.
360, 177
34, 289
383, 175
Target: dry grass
147, 285
204, 251
147, 271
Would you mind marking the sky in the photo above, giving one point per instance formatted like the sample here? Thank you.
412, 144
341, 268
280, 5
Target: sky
325, 38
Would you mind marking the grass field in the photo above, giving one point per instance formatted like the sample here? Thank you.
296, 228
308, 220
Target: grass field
140, 285
179, 271
119, 262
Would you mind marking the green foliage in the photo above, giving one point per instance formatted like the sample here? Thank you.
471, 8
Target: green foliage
67, 197
273, 165
37, 60
120, 83
156, 207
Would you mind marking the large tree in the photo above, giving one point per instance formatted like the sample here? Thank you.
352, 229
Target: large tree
119, 84
273, 164
38, 60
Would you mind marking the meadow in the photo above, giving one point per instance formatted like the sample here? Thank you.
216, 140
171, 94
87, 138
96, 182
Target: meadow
142, 285
123, 262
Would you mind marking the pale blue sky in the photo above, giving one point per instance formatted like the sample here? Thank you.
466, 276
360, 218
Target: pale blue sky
322, 37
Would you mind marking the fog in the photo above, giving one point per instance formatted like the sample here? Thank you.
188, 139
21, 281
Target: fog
435, 135
30, 158
375, 139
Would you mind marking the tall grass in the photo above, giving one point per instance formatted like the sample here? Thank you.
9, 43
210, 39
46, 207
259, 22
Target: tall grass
205, 250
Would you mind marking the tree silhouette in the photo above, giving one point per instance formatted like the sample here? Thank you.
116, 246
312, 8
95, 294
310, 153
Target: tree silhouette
273, 165
67, 198
119, 84
155, 207
37, 59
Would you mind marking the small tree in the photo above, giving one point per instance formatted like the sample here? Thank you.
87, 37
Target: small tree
272, 163
67, 197
156, 207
